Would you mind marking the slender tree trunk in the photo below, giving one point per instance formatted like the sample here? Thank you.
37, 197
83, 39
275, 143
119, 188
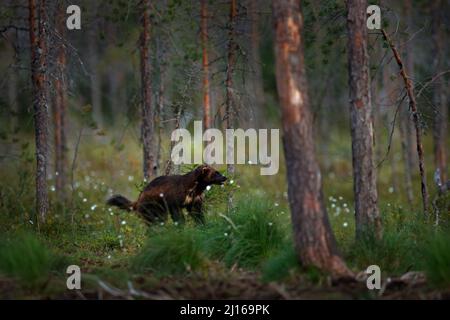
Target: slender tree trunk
413, 108
38, 44
59, 108
96, 79
364, 174
230, 108
149, 164
313, 238
406, 125
440, 122
205, 66
161, 97
257, 83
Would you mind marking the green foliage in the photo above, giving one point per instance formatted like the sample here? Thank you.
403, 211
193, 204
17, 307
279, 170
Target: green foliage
251, 233
170, 250
26, 258
437, 259
281, 265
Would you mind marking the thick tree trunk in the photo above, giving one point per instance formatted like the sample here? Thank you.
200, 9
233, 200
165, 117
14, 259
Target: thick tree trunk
230, 107
314, 240
413, 108
38, 44
440, 122
149, 164
364, 174
59, 108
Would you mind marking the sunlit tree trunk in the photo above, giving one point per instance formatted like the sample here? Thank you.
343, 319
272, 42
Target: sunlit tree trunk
59, 107
38, 48
149, 164
313, 238
364, 174
440, 123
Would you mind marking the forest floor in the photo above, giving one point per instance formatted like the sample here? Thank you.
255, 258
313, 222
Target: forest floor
246, 253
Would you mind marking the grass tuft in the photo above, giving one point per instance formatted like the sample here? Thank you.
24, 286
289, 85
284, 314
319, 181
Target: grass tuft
26, 258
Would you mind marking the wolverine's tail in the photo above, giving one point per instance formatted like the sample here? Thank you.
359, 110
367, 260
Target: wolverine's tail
121, 202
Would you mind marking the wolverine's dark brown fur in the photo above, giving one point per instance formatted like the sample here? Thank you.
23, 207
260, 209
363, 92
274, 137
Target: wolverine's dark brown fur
171, 194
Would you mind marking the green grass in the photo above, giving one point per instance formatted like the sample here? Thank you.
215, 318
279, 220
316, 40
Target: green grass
246, 237
437, 259
170, 250
27, 259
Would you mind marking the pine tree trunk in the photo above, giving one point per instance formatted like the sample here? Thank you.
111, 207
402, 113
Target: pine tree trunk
257, 82
96, 79
149, 164
59, 108
230, 108
161, 99
364, 174
313, 238
205, 66
38, 44
440, 122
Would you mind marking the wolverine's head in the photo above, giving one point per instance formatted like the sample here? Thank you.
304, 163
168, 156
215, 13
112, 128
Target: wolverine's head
208, 175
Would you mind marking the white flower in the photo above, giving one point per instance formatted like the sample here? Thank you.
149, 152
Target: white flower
84, 200
345, 224
225, 234
93, 207
391, 189
344, 205
270, 224
208, 188
86, 216
109, 256
53, 188
231, 181
276, 204
249, 161
31, 221
123, 222
161, 194
340, 198
130, 178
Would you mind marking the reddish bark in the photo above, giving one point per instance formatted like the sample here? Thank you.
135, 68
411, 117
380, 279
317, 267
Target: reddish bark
230, 110
314, 241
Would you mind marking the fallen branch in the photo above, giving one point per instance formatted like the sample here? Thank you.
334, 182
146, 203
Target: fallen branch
413, 108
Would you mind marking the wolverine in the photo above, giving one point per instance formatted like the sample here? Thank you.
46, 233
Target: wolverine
170, 194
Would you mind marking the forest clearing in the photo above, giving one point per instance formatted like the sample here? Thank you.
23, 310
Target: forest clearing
334, 185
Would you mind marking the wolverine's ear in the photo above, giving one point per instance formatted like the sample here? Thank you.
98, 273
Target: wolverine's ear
202, 169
